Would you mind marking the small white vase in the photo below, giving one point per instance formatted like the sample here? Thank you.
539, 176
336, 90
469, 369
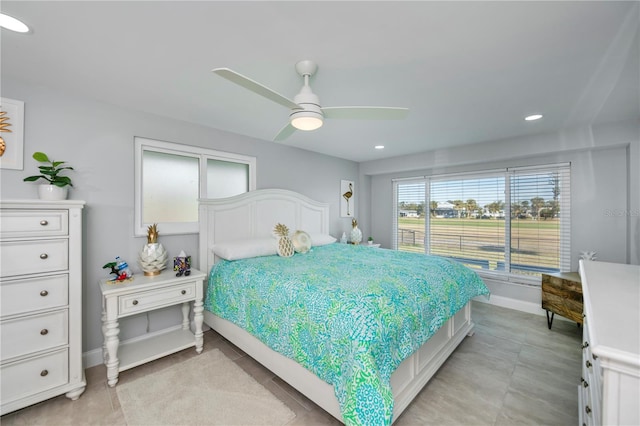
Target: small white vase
52, 192
153, 259
356, 235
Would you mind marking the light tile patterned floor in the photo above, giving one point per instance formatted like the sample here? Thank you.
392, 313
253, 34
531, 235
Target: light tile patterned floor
514, 370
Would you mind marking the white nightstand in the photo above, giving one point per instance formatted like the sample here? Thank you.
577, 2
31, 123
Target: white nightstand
145, 294
375, 245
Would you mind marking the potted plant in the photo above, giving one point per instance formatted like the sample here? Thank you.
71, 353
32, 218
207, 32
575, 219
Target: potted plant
57, 188
370, 240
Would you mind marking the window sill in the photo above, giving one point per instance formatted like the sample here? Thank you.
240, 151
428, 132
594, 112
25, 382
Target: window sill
511, 278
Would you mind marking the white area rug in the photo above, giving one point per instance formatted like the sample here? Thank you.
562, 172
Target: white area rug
208, 389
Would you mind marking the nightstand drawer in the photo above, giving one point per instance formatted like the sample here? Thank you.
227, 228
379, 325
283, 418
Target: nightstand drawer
35, 333
34, 256
34, 375
156, 298
29, 223
28, 295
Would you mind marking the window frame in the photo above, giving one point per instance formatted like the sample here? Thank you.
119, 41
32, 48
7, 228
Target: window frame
202, 154
508, 174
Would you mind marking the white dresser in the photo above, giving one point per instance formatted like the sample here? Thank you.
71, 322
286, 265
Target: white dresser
610, 390
41, 301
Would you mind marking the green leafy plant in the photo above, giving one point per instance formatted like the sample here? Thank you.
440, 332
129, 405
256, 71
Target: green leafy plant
50, 171
370, 238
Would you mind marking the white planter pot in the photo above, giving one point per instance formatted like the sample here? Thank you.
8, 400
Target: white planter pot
52, 192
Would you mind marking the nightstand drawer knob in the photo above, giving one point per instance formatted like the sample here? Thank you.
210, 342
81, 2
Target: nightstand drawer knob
44, 222
44, 256
44, 373
588, 364
44, 293
135, 302
585, 384
585, 345
587, 409
184, 292
44, 332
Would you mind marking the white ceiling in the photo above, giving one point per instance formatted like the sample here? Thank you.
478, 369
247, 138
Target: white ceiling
468, 71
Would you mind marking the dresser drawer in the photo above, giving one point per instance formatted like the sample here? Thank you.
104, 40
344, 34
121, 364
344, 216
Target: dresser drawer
33, 294
144, 301
16, 223
33, 256
34, 375
25, 335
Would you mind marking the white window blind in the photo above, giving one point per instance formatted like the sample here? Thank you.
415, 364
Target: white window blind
468, 220
540, 220
514, 222
409, 223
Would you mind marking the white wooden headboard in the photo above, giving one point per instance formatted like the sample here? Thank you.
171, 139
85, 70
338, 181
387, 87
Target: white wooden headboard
253, 215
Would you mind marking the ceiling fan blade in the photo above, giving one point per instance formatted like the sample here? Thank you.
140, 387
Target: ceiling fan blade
366, 112
255, 87
285, 132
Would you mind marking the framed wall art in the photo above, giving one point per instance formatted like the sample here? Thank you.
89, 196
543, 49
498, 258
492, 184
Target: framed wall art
347, 198
11, 134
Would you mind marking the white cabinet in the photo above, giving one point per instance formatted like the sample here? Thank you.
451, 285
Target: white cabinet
610, 388
144, 294
41, 303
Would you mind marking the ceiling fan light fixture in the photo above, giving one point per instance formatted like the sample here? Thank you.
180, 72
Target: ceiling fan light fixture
306, 120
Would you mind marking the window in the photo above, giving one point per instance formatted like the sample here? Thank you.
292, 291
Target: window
513, 222
169, 179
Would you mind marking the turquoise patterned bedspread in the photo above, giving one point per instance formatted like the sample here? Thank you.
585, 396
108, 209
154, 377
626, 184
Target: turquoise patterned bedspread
350, 314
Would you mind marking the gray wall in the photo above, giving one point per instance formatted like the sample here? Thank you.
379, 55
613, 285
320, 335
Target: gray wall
97, 140
605, 186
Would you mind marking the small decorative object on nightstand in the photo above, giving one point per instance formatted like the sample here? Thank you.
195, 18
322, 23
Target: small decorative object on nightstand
153, 257
356, 234
562, 295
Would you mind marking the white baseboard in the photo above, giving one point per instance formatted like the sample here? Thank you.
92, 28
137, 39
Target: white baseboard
518, 305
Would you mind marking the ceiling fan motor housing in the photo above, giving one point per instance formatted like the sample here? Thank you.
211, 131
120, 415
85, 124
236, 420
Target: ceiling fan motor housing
310, 117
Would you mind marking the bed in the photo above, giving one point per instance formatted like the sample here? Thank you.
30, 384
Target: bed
376, 362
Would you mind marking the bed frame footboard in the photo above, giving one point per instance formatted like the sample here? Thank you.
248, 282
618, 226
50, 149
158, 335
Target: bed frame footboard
406, 382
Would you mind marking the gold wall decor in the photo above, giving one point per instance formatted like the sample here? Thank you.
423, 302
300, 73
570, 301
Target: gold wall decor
11, 134
4, 123
347, 198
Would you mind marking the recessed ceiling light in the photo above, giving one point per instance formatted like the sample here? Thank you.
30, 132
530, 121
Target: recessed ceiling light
13, 24
379, 147
533, 117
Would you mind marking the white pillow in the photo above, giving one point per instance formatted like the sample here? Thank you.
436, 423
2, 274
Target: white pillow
321, 239
301, 242
242, 249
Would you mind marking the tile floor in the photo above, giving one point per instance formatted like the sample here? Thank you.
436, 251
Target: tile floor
514, 370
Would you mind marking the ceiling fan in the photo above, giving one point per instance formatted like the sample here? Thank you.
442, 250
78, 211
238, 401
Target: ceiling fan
306, 111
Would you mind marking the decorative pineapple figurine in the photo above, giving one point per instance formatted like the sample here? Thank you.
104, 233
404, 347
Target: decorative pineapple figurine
153, 257
356, 234
285, 245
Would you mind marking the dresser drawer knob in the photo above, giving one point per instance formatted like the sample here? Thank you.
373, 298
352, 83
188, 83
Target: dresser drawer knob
44, 256
594, 356
44, 373
585, 384
587, 409
135, 302
44, 222
184, 292
44, 293
588, 364
44, 332
585, 345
